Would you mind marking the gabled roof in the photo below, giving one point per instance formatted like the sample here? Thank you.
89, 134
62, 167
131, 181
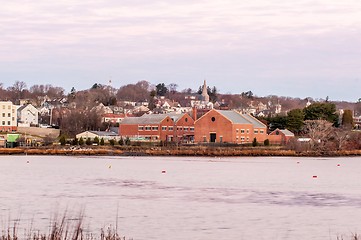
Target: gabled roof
238, 118
104, 133
286, 132
145, 119
234, 116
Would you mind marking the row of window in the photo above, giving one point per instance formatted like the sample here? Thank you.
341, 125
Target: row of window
3, 123
3, 114
164, 128
9, 106
247, 130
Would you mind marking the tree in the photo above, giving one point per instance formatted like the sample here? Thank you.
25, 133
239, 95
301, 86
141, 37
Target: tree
75, 141
161, 89
347, 119
266, 142
62, 140
254, 142
81, 141
121, 141
319, 131
88, 141
322, 111
294, 121
277, 121
111, 142
101, 142
173, 88
96, 140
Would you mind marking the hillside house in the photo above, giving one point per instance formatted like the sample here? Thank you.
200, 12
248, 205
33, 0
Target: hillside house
8, 116
28, 115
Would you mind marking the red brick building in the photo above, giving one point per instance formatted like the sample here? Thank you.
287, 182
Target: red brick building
158, 127
228, 126
280, 136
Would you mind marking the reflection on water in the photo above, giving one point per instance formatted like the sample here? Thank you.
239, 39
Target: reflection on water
199, 198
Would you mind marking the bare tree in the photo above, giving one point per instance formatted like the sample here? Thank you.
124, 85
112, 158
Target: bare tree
319, 131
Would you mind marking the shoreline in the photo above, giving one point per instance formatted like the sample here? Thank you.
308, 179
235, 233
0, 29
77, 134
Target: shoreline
198, 151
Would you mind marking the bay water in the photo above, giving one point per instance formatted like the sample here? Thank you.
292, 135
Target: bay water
187, 197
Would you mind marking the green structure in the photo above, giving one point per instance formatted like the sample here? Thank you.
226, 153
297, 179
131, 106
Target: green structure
12, 140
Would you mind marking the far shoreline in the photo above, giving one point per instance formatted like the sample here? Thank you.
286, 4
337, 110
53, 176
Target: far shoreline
197, 151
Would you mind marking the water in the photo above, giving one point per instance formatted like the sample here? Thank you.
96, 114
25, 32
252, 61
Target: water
197, 198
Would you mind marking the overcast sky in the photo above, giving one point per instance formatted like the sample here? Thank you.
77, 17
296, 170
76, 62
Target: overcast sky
304, 48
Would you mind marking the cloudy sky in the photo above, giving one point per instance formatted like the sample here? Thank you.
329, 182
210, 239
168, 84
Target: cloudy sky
298, 48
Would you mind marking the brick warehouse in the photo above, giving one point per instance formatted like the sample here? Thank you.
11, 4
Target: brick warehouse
228, 126
158, 127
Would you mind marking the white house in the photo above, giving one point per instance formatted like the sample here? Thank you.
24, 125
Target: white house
28, 115
8, 116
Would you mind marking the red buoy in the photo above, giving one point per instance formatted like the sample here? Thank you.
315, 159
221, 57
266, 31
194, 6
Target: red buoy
314, 176
163, 171
338, 165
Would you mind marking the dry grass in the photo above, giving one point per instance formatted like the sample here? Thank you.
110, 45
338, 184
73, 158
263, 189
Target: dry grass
63, 229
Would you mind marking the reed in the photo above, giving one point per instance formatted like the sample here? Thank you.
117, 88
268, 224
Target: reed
63, 229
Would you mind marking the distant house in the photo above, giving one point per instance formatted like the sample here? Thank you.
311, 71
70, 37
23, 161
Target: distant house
99, 134
28, 115
113, 118
228, 126
280, 136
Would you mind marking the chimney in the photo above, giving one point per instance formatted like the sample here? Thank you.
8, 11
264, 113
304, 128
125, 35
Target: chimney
194, 113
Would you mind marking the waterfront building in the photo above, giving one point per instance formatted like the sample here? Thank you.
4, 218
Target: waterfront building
228, 126
8, 116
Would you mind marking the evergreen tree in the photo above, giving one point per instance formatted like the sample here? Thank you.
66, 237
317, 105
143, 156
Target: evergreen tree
96, 140
254, 142
294, 121
62, 140
347, 119
81, 141
322, 111
88, 141
101, 142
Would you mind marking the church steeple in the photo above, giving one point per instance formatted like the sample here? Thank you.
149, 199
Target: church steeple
205, 96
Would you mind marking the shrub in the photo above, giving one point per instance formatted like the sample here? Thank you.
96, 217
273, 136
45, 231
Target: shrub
96, 140
62, 140
101, 141
127, 141
88, 141
75, 141
112, 142
121, 141
254, 143
266, 142
81, 141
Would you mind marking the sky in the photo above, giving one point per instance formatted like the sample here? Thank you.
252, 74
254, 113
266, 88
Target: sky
289, 48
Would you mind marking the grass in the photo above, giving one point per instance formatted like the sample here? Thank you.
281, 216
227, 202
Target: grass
63, 229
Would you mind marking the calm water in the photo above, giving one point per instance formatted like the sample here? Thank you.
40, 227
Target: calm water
197, 198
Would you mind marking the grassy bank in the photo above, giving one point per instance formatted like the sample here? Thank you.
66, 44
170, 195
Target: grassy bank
196, 150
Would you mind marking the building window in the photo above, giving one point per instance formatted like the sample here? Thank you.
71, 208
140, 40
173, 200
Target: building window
237, 130
191, 129
186, 129
3, 114
164, 128
170, 128
220, 138
147, 128
140, 128
9, 123
3, 123
9, 115
9, 107
247, 130
155, 128
242, 130
256, 131
261, 131
186, 119
213, 119
242, 139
